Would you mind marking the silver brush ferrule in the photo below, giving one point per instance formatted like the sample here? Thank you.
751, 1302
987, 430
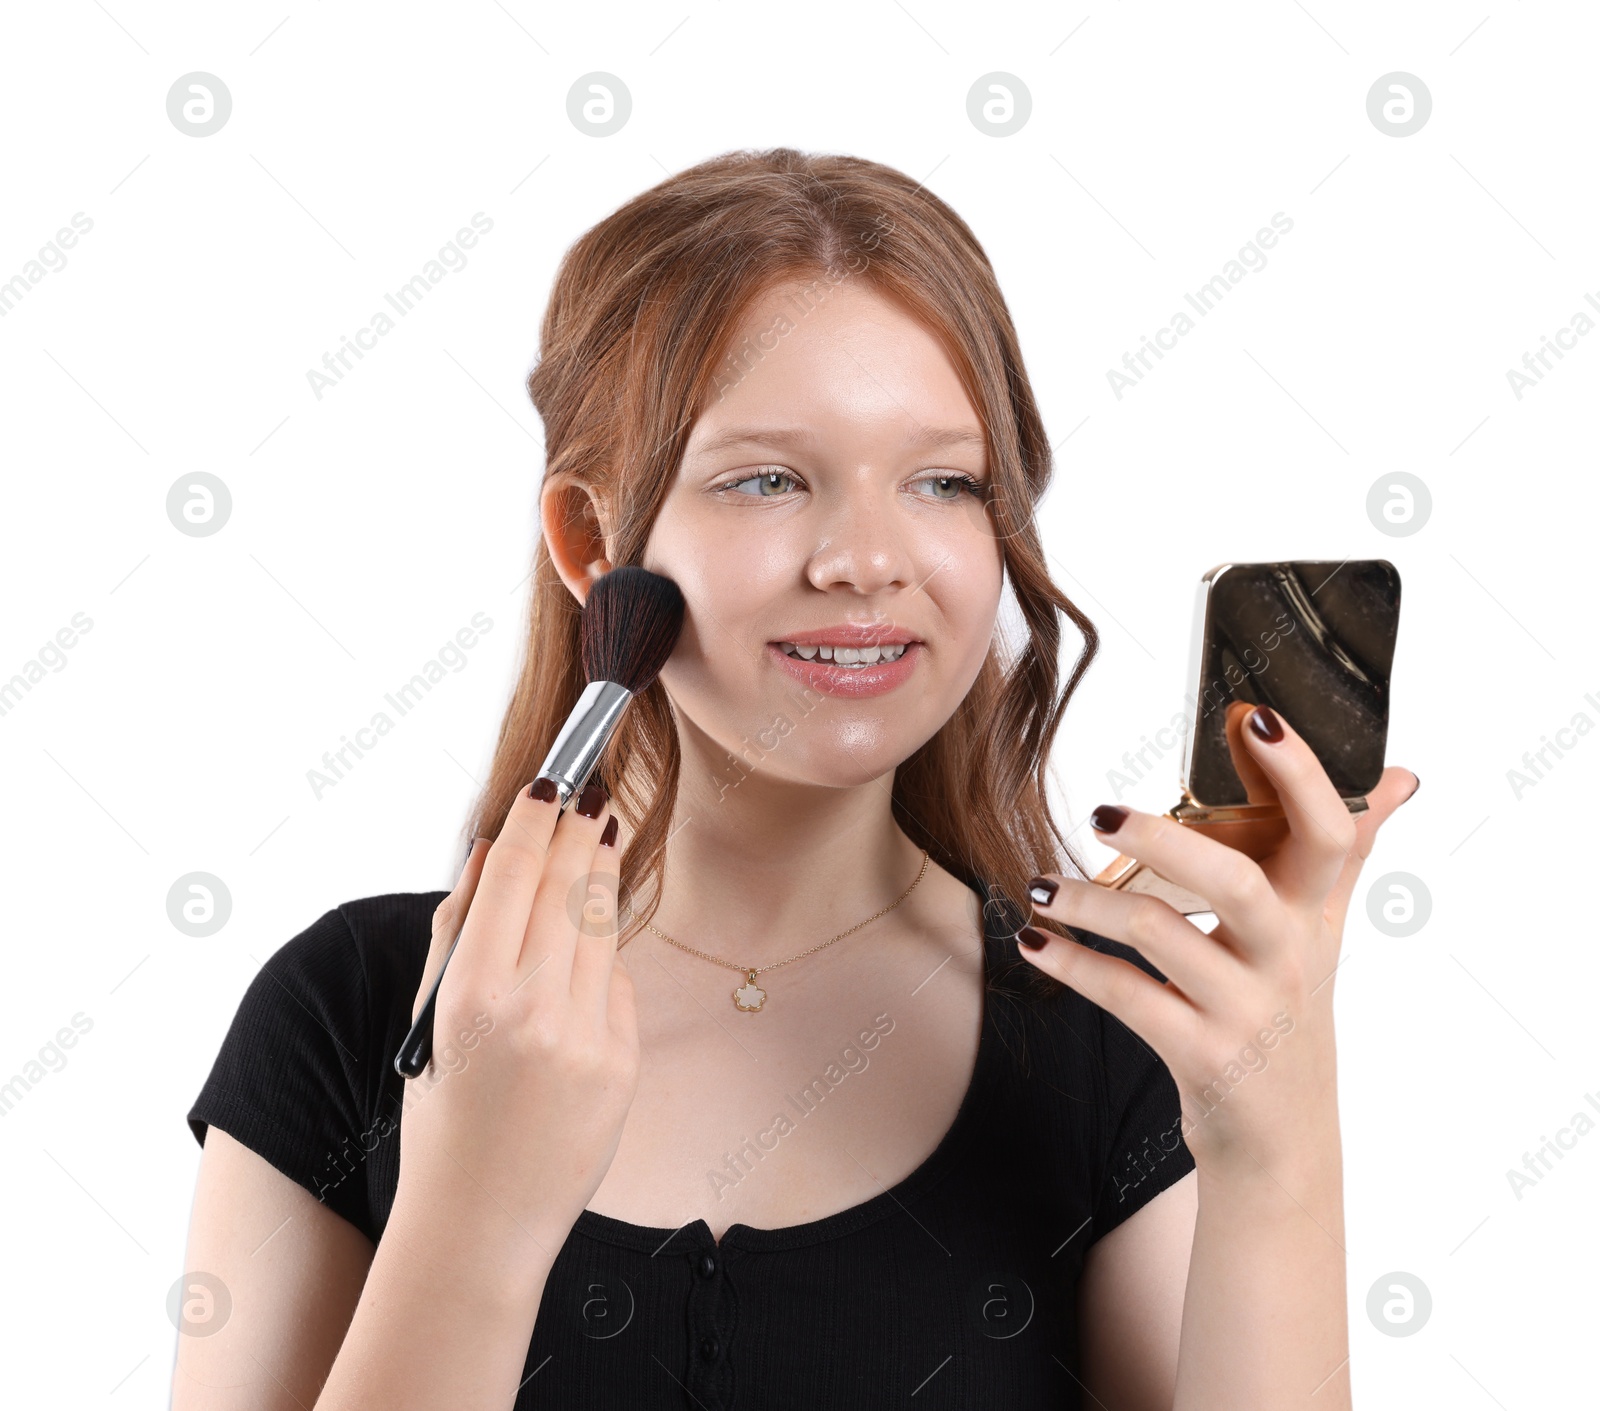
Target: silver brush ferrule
584, 737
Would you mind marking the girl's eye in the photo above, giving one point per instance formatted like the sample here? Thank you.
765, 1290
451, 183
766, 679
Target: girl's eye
773, 483
956, 483
765, 479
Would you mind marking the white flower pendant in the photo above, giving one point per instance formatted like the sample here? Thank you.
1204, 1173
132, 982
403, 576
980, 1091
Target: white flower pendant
750, 996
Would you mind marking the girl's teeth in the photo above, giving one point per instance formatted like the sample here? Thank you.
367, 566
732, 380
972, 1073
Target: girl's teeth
847, 656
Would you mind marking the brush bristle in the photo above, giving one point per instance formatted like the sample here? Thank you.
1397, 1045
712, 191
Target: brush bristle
631, 622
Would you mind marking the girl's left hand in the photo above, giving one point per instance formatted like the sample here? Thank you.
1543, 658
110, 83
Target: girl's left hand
1253, 996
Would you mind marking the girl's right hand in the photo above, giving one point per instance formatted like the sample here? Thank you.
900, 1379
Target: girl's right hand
536, 1043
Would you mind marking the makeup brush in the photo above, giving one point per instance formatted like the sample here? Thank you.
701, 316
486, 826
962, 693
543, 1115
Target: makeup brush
631, 622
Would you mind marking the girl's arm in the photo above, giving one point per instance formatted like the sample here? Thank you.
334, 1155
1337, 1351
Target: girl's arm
440, 1315
1264, 1314
1245, 1026
1131, 1304
288, 1273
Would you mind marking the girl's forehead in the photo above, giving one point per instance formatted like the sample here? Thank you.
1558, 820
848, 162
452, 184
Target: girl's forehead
870, 366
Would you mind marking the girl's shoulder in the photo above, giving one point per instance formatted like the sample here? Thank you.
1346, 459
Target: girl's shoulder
304, 1073
391, 934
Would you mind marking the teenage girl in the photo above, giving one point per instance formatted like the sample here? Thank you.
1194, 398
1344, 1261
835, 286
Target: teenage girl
752, 1085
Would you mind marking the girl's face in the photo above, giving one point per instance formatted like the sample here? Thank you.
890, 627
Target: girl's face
826, 489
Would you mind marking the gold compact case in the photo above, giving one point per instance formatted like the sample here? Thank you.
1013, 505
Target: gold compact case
1314, 640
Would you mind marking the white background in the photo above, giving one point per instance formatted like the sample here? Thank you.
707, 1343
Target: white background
369, 526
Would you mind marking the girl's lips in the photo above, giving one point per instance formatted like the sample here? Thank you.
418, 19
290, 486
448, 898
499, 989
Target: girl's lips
834, 680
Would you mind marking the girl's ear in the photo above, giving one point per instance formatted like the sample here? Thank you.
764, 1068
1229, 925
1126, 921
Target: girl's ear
574, 533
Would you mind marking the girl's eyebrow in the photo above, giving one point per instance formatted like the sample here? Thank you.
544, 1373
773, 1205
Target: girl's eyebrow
802, 436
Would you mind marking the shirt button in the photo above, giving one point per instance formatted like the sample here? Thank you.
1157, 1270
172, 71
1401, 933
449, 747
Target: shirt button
709, 1348
708, 1265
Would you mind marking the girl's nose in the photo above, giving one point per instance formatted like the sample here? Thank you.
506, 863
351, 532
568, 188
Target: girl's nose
863, 545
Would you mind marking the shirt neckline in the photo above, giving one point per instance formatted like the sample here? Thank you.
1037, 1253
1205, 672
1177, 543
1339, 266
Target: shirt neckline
696, 1234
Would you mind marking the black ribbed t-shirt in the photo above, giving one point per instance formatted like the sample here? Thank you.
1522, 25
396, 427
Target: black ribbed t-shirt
954, 1288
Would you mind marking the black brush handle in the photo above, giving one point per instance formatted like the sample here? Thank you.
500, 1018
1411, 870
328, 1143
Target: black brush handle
417, 1048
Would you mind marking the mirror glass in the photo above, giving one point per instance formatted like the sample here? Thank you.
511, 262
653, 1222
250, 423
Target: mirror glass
1314, 640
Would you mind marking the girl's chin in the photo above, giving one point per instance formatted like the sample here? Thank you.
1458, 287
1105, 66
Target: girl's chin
754, 766
800, 746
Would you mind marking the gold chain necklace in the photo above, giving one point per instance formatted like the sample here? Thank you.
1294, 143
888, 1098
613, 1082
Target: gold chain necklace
750, 996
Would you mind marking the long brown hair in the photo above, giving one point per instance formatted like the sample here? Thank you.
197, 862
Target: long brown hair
638, 334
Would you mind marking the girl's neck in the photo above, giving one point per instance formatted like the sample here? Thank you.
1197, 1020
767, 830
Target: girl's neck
769, 867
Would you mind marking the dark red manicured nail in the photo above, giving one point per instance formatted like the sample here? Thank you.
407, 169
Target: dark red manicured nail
1264, 721
1108, 818
1414, 787
608, 834
1032, 937
591, 801
1042, 890
544, 790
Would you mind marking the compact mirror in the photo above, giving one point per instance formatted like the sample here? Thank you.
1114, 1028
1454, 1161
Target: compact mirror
1314, 640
